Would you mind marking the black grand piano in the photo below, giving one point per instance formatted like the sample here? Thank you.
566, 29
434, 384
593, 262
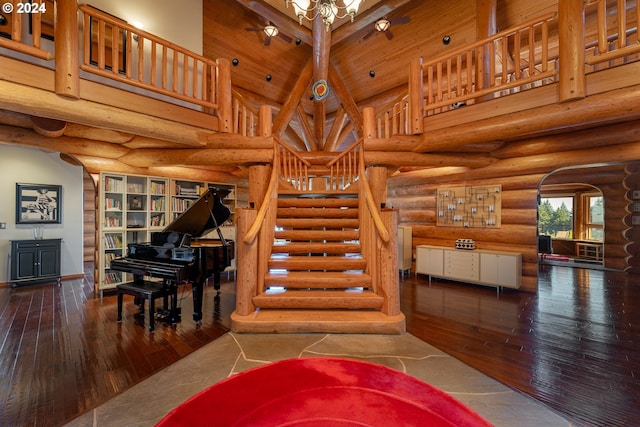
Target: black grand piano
179, 254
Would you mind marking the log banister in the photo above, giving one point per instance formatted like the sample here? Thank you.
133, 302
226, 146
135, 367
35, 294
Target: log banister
371, 206
270, 196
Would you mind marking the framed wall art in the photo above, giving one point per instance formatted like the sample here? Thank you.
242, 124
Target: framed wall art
38, 204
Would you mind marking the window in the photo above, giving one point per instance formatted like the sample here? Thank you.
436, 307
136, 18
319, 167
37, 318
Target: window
555, 216
594, 217
579, 215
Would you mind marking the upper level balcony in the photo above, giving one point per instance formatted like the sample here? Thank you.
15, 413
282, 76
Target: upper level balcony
176, 95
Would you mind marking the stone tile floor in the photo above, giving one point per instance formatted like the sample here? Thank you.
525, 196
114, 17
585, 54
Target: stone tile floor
147, 402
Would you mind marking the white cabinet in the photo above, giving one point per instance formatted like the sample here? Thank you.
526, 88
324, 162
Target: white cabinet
501, 269
404, 248
485, 267
430, 260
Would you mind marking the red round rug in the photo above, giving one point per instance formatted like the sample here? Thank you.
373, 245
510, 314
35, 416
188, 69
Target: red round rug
322, 392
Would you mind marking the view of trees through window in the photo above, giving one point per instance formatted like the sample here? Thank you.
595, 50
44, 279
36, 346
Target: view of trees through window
556, 217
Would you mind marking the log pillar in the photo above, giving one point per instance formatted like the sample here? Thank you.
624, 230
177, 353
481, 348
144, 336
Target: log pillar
225, 99
389, 285
416, 97
247, 278
572, 82
67, 76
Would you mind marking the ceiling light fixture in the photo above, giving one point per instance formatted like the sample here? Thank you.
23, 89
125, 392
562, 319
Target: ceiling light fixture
382, 25
327, 9
271, 30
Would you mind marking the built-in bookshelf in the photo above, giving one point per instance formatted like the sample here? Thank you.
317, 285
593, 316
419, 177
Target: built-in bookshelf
131, 207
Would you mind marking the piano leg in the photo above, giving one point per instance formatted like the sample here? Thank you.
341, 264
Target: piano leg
197, 290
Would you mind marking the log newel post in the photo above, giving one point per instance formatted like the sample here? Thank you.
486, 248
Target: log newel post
377, 176
225, 98
67, 76
389, 285
265, 121
259, 176
571, 74
368, 123
247, 279
416, 97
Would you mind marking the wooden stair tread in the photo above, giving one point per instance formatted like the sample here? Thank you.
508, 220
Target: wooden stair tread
319, 212
352, 190
326, 321
352, 223
319, 299
330, 263
308, 279
310, 202
317, 235
315, 248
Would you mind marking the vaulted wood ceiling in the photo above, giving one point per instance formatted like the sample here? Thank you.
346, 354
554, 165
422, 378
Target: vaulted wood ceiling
372, 68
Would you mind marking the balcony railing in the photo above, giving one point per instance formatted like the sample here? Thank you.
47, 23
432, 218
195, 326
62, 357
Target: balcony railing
116, 50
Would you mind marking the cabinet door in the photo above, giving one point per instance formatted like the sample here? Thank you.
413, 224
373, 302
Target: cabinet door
49, 260
429, 261
500, 270
25, 266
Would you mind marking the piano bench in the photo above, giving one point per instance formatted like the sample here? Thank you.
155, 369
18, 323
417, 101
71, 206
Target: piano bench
147, 290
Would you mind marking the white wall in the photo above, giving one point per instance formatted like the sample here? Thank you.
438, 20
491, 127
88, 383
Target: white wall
32, 166
180, 22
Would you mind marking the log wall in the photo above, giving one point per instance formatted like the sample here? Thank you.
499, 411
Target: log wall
414, 195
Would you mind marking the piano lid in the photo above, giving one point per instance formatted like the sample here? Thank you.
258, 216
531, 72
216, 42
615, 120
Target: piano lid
205, 215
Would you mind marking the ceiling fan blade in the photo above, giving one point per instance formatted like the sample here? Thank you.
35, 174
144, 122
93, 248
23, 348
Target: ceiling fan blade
389, 34
285, 37
267, 41
399, 20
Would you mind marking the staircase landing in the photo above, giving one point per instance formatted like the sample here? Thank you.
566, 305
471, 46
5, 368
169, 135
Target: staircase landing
325, 321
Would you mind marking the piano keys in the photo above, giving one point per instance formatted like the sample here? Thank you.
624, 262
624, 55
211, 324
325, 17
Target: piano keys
180, 255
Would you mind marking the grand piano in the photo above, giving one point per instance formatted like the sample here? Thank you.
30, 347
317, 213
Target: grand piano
179, 254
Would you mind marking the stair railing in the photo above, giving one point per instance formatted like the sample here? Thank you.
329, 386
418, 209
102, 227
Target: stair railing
293, 168
270, 197
245, 115
365, 192
344, 170
394, 119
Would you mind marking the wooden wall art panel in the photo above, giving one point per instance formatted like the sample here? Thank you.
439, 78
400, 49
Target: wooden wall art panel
470, 206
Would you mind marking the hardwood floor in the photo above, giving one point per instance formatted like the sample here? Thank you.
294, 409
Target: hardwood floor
575, 345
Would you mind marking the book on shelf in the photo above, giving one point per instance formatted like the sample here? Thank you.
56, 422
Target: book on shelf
112, 241
113, 185
158, 188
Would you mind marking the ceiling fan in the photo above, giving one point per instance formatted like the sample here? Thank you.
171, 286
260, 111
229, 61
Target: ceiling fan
270, 31
383, 25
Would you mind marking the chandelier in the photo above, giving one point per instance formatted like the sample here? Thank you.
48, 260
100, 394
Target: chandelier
327, 9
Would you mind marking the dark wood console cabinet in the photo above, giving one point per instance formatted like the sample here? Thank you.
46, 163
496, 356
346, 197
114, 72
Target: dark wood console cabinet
35, 261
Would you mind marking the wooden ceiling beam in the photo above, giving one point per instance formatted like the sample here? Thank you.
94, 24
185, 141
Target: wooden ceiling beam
306, 129
347, 101
293, 99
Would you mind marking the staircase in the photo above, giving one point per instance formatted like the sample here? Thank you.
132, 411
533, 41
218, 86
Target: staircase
317, 277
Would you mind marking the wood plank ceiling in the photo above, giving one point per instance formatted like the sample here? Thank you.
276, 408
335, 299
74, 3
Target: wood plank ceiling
368, 68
